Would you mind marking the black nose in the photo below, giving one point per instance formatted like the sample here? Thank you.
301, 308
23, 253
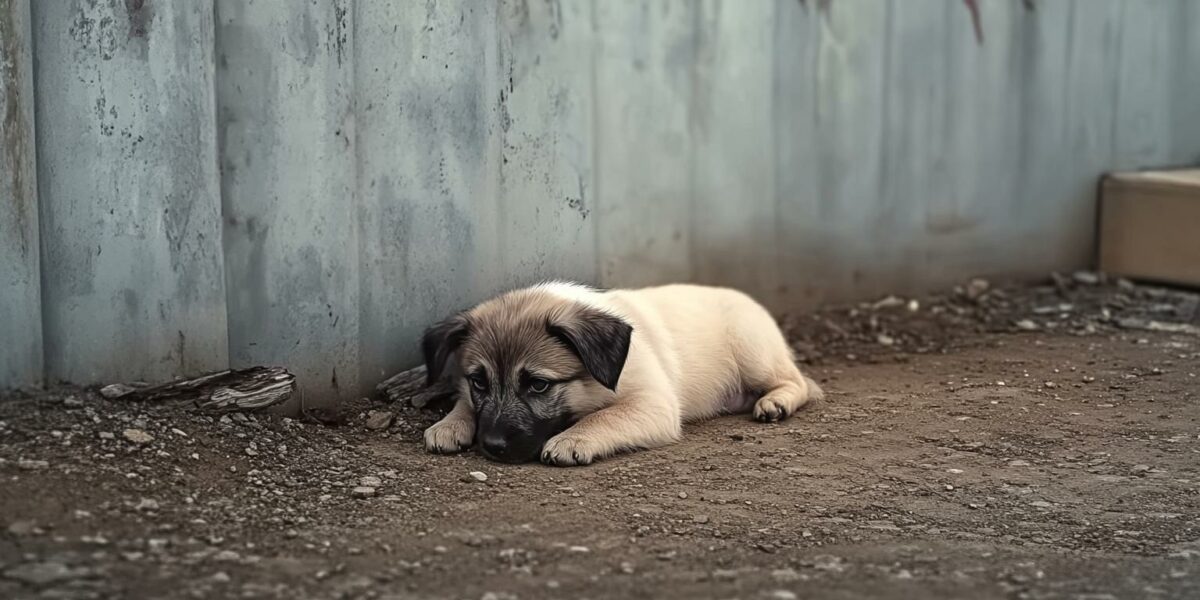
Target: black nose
494, 445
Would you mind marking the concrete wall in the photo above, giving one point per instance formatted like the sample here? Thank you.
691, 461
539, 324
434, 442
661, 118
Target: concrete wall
226, 182
20, 291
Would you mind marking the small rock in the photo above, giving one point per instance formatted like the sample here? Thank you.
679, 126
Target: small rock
1018, 463
251, 451
785, 575
1140, 469
22, 528
362, 491
72, 401
913, 306
476, 476
115, 390
220, 577
683, 495
379, 419
725, 574
370, 481
44, 573
1027, 325
701, 519
227, 556
885, 340
1050, 384
1085, 277
627, 568
782, 595
579, 549
977, 287
137, 436
1041, 504
147, 504
107, 435
32, 465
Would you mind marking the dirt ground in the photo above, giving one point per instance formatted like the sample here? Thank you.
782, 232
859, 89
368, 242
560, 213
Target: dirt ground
991, 449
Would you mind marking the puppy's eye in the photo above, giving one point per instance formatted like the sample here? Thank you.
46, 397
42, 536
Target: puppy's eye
538, 386
479, 383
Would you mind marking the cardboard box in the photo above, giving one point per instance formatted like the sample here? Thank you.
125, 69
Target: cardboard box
1150, 226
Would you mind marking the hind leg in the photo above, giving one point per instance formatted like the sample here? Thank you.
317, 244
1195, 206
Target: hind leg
785, 398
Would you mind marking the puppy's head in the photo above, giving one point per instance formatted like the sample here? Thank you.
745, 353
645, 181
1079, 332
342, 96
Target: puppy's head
533, 363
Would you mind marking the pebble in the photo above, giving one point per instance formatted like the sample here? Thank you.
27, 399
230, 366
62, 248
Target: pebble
783, 595
1018, 463
478, 476
701, 519
147, 504
370, 481
22, 528
44, 573
579, 549
1027, 325
72, 402
115, 390
137, 436
1041, 504
885, 340
1085, 277
107, 435
220, 577
227, 556
627, 568
977, 287
725, 574
362, 491
1139, 468
784, 575
379, 419
683, 495
32, 465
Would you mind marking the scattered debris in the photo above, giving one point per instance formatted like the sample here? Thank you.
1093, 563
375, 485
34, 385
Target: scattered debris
379, 419
137, 436
476, 476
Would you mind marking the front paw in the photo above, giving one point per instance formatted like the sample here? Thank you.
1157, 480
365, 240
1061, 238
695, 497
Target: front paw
449, 436
564, 450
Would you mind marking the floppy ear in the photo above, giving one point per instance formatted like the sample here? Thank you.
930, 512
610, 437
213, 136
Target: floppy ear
600, 340
439, 342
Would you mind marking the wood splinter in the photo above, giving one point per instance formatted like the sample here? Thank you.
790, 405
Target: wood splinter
231, 390
410, 386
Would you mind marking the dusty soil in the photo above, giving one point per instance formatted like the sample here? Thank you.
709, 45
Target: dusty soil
974, 458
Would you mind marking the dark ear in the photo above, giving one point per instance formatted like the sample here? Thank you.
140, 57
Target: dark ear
439, 342
600, 340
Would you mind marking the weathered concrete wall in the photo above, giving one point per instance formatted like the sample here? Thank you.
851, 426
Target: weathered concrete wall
128, 189
382, 164
285, 120
20, 284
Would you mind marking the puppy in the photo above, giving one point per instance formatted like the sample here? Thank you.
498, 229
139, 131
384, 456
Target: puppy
573, 374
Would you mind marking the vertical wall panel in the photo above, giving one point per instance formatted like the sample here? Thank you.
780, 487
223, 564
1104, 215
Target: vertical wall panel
732, 133
430, 97
645, 53
546, 187
20, 286
128, 186
285, 118
1144, 124
801, 235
